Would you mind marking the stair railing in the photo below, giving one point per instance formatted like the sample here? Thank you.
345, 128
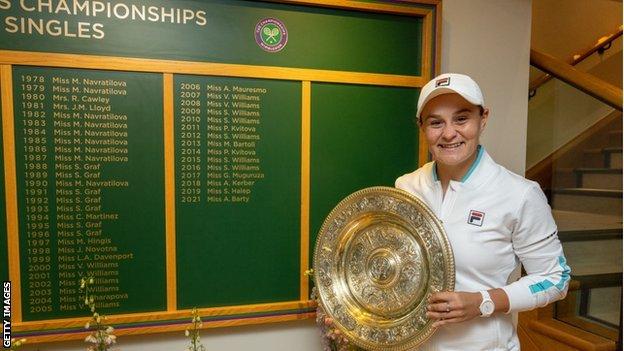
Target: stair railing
602, 44
579, 329
589, 84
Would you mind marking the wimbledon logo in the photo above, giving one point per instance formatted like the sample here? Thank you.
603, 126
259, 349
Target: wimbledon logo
271, 34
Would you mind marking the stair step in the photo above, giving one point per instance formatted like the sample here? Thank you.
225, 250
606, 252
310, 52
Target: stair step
578, 226
594, 158
613, 155
596, 281
564, 178
599, 178
599, 201
598, 170
592, 257
615, 138
597, 234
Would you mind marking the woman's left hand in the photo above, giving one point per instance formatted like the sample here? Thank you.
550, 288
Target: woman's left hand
453, 307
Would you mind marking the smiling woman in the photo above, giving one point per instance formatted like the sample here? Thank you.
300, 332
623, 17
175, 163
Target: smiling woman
494, 219
452, 128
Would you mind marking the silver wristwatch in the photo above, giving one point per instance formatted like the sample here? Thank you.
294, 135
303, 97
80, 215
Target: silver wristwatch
487, 305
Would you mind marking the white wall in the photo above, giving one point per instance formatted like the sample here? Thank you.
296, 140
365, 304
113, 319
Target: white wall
487, 39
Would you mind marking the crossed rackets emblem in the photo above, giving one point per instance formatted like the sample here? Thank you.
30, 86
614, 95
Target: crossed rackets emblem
271, 34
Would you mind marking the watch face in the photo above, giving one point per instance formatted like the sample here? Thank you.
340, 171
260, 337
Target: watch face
487, 307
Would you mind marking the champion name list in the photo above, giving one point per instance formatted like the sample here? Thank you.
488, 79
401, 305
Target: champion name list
227, 119
87, 134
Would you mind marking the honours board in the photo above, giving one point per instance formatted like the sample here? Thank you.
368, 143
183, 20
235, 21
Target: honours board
188, 157
89, 156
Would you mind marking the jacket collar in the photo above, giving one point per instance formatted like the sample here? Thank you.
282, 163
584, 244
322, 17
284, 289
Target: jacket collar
480, 170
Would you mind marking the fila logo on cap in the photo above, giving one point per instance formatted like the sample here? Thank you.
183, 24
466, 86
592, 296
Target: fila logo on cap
443, 82
476, 218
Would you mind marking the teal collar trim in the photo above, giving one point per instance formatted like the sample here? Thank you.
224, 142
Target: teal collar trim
474, 164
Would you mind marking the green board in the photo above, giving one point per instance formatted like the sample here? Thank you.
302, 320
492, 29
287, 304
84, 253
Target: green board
362, 136
221, 31
90, 147
90, 186
237, 161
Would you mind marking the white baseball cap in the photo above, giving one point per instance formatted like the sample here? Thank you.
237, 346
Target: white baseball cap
450, 83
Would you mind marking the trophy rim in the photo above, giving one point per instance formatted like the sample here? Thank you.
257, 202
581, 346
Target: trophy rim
448, 282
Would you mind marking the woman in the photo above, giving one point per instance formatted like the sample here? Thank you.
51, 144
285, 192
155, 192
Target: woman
494, 219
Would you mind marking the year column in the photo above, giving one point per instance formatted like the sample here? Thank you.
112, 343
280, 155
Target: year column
190, 142
32, 127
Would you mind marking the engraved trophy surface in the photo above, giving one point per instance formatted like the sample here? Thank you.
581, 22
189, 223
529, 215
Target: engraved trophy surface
379, 254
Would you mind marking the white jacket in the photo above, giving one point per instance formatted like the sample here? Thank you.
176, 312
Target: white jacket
495, 220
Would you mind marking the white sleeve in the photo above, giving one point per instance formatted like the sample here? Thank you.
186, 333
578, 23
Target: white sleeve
536, 244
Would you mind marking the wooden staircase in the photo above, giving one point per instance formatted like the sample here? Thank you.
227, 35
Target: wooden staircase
585, 192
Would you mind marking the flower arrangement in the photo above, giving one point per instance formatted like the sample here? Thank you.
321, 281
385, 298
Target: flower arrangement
331, 338
102, 336
193, 333
17, 344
